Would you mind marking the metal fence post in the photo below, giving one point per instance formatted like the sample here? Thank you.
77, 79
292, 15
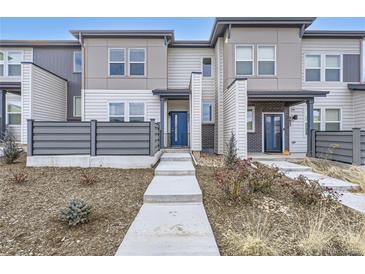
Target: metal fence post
152, 137
93, 125
356, 146
313, 144
30, 137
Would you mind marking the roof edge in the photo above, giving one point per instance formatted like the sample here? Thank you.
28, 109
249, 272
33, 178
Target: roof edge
42, 43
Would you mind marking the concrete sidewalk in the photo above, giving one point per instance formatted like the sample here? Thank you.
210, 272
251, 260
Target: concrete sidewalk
172, 220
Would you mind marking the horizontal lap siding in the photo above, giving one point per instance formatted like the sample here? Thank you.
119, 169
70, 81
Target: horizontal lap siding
61, 138
122, 138
359, 109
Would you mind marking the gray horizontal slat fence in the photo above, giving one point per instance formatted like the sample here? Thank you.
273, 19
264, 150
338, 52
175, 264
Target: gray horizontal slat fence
342, 146
93, 138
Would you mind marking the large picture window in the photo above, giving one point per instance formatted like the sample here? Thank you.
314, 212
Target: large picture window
116, 62
244, 60
137, 62
266, 59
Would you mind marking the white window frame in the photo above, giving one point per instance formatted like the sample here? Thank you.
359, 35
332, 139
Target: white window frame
211, 66
253, 130
325, 117
252, 60
7, 113
8, 63
3, 62
117, 102
325, 67
74, 106
117, 62
144, 110
320, 67
212, 114
273, 60
74, 63
137, 62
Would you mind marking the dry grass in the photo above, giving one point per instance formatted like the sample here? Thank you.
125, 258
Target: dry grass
352, 174
275, 223
29, 212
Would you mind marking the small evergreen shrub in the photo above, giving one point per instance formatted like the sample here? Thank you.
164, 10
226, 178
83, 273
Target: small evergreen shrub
76, 213
230, 157
11, 149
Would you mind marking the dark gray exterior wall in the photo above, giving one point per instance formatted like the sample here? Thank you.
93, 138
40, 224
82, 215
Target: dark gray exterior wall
208, 136
351, 68
59, 60
254, 140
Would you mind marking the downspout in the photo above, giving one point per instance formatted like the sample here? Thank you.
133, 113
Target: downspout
82, 76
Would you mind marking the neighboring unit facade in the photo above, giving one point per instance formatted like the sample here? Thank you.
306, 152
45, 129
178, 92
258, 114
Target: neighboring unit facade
256, 77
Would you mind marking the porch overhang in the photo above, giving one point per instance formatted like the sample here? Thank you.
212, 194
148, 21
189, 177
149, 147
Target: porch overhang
356, 87
289, 97
13, 87
172, 93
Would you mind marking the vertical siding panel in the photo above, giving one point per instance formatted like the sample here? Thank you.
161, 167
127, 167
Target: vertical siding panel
196, 120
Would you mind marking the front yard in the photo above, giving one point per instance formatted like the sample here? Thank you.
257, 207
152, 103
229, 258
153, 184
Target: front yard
29, 211
278, 217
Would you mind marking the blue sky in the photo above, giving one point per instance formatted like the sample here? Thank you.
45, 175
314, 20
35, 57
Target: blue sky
185, 28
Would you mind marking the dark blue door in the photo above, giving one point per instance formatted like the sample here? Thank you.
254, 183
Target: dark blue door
179, 128
273, 132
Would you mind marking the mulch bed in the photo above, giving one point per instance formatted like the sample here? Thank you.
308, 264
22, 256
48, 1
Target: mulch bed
29, 212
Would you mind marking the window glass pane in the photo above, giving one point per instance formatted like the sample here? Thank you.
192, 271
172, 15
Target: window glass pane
244, 53
116, 69
14, 57
136, 119
316, 115
14, 70
14, 108
77, 106
333, 126
1, 70
136, 55
136, 108
14, 119
250, 119
243, 68
266, 53
116, 109
333, 115
332, 75
116, 119
116, 55
332, 61
266, 67
77, 61
1, 56
207, 112
312, 74
207, 67
136, 69
313, 61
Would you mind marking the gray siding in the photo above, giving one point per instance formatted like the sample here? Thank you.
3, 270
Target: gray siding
351, 67
59, 60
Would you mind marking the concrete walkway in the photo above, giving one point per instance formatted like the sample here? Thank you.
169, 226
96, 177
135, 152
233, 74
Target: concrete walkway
352, 200
172, 220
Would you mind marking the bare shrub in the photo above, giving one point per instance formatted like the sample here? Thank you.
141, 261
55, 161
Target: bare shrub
18, 177
11, 149
88, 178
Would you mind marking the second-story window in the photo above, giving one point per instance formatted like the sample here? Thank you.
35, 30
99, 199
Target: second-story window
244, 60
1, 63
266, 60
137, 62
312, 65
333, 68
207, 67
207, 116
116, 62
14, 63
77, 61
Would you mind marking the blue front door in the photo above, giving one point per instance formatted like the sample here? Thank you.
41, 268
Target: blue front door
179, 128
273, 132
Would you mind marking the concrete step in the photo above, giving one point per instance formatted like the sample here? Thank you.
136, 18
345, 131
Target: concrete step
173, 189
176, 150
169, 230
324, 181
286, 166
175, 168
176, 156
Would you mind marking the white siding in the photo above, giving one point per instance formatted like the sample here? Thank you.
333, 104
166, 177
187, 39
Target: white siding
15, 130
359, 109
195, 117
96, 103
339, 97
235, 113
218, 129
44, 96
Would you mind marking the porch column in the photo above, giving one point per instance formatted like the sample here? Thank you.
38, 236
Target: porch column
309, 126
162, 122
2, 113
